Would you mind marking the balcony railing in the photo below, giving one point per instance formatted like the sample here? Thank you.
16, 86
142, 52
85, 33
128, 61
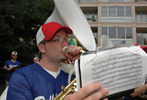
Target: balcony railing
141, 18
91, 17
95, 1
140, 0
88, 1
142, 38
117, 19
116, 0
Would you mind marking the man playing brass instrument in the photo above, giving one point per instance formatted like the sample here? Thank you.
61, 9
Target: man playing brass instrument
43, 80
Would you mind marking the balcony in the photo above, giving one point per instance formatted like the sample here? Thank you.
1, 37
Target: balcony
116, 0
95, 33
141, 35
87, 1
91, 15
141, 20
117, 19
119, 35
142, 38
88, 5
141, 17
140, 1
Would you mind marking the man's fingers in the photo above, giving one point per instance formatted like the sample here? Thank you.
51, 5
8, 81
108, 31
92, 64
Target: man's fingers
89, 92
72, 58
98, 95
85, 91
139, 90
73, 50
105, 99
68, 56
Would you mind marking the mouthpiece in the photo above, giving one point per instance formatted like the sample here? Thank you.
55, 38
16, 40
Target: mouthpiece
64, 50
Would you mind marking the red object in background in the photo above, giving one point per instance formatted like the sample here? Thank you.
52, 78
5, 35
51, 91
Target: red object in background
143, 47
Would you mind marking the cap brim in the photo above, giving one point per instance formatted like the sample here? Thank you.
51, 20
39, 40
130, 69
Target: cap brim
67, 29
144, 48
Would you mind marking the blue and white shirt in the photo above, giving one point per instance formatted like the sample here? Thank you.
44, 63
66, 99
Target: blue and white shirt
35, 83
10, 64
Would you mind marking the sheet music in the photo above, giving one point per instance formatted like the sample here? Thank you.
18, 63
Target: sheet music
117, 69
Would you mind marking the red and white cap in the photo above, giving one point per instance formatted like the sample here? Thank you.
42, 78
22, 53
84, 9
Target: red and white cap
14, 53
143, 47
36, 58
48, 30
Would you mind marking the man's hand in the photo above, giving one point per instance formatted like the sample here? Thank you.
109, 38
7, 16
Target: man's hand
72, 52
8, 69
90, 92
139, 90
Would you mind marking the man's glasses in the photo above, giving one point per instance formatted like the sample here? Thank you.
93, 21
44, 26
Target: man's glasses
14, 55
57, 41
70, 41
60, 40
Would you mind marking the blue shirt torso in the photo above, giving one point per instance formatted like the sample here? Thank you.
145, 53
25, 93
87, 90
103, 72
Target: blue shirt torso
33, 81
9, 64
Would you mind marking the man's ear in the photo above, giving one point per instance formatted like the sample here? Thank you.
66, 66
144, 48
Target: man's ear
41, 48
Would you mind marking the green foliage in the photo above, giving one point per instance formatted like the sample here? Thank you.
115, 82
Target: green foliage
19, 22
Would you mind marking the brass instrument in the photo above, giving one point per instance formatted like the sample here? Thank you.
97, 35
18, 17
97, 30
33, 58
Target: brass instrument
69, 89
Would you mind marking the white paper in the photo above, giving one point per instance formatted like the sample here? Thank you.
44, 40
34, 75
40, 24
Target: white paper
117, 69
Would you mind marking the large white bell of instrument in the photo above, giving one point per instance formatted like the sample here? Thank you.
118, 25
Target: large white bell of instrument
67, 12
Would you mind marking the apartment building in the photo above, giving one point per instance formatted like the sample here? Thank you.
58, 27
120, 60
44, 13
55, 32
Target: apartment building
124, 21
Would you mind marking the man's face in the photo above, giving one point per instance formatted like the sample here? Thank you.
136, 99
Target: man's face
55, 46
14, 57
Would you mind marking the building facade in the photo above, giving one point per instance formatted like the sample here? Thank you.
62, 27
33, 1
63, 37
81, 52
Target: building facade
124, 21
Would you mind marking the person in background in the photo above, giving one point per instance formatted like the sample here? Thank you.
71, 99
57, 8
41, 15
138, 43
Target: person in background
11, 65
139, 93
36, 59
43, 80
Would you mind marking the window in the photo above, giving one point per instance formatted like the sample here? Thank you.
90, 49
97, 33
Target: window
104, 11
115, 0
120, 0
112, 12
128, 33
117, 32
91, 17
142, 38
116, 11
139, 0
120, 11
88, 1
128, 11
112, 32
121, 32
104, 30
118, 41
141, 17
119, 35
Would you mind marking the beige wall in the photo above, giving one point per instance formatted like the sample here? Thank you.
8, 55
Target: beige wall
133, 24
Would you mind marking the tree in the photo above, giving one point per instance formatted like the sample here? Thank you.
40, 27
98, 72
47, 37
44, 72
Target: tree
19, 23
